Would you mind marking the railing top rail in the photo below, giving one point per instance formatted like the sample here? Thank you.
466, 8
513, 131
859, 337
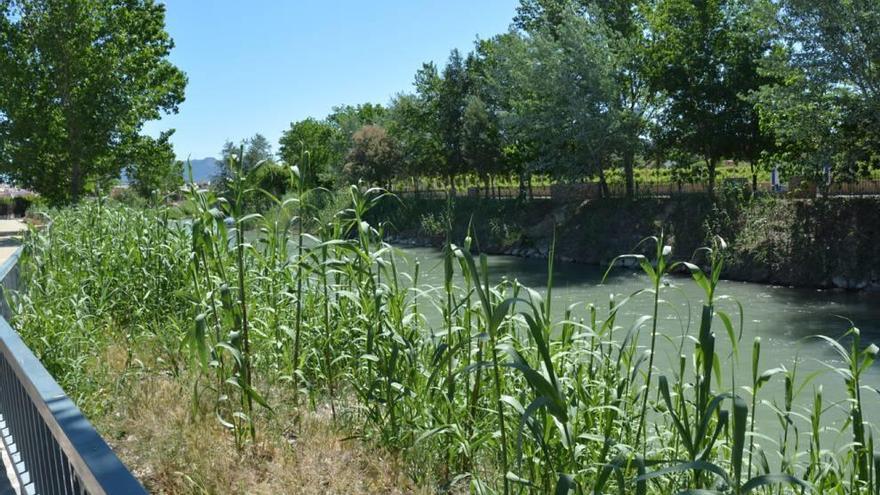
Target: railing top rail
10, 263
95, 463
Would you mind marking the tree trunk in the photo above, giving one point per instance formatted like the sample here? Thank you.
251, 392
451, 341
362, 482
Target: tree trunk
754, 178
75, 181
628, 162
451, 178
603, 184
710, 164
522, 186
531, 192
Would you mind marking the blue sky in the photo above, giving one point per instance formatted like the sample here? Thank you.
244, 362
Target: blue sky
257, 65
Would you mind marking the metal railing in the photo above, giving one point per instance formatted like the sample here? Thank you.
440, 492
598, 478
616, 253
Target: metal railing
52, 446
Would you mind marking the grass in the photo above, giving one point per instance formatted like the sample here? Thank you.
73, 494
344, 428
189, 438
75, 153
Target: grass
303, 357
153, 431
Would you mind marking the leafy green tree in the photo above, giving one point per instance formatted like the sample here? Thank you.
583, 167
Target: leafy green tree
230, 151
152, 167
635, 101
563, 92
451, 100
823, 107
625, 34
251, 152
348, 119
444, 96
79, 79
257, 149
501, 84
704, 58
373, 157
410, 124
481, 141
318, 138
536, 15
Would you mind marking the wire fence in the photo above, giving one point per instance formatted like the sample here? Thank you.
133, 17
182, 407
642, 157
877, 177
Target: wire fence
593, 190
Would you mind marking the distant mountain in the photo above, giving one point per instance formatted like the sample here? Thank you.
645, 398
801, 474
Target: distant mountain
202, 170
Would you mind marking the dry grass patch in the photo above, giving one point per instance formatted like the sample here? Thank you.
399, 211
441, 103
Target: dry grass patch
154, 434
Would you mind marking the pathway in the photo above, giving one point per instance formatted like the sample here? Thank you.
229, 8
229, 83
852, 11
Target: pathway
10, 232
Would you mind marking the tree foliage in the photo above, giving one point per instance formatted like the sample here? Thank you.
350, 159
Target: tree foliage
704, 58
823, 110
577, 90
151, 166
80, 78
373, 156
319, 138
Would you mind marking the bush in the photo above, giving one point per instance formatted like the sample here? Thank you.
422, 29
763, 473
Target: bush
16, 206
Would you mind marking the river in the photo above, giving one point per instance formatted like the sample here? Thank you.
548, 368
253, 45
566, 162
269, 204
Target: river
785, 319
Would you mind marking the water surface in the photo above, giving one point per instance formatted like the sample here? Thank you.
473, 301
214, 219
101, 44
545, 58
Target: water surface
785, 319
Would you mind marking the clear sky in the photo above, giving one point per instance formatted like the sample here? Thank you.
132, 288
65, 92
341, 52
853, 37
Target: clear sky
257, 65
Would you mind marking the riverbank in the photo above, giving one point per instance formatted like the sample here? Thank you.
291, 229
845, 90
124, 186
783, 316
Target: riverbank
823, 243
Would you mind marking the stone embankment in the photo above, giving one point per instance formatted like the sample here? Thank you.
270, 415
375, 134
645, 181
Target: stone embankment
833, 243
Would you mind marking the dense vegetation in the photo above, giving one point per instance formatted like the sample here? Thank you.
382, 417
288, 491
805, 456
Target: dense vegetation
79, 79
580, 90
576, 90
480, 386
271, 323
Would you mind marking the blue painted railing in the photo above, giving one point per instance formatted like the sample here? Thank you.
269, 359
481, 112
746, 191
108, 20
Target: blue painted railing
52, 446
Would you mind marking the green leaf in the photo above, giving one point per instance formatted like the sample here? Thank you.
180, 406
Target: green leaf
740, 418
775, 479
698, 465
565, 484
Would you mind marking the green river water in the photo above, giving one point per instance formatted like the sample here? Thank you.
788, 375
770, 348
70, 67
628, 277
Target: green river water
785, 319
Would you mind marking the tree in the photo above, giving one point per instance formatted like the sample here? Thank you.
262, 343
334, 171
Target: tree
151, 165
451, 97
348, 119
823, 105
80, 78
318, 138
251, 152
536, 15
563, 97
373, 157
635, 101
256, 150
501, 82
481, 141
444, 96
625, 33
411, 125
704, 59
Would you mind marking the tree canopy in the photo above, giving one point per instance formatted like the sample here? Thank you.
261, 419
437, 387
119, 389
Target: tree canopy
80, 78
823, 108
575, 90
320, 139
579, 88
